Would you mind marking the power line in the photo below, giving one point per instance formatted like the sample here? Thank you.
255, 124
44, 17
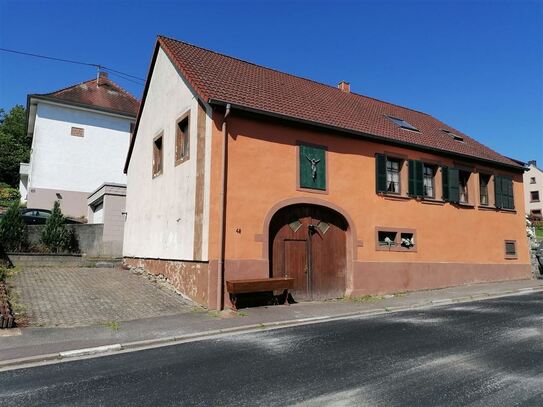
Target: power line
97, 66
122, 77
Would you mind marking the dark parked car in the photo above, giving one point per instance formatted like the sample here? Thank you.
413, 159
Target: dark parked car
32, 216
539, 256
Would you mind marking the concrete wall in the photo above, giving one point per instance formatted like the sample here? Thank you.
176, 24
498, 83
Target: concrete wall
106, 206
536, 173
114, 206
88, 236
64, 163
167, 215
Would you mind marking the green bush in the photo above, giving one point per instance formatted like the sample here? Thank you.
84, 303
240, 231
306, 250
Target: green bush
8, 195
13, 230
55, 235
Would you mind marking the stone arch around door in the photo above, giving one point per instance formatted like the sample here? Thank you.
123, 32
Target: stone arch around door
351, 242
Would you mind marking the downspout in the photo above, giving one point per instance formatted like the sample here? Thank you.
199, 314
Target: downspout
222, 214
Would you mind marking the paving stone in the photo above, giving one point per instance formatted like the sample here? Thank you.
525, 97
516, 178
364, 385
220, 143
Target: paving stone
65, 297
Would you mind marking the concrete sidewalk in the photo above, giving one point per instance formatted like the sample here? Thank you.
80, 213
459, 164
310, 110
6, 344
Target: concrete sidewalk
31, 344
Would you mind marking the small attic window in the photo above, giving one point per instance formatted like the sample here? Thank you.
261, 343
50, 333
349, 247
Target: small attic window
455, 137
402, 123
77, 132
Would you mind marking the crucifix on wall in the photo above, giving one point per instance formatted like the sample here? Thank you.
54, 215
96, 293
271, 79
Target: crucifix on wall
312, 167
314, 163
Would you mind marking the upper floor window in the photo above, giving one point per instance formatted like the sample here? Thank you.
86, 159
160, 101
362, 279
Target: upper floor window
421, 179
463, 189
388, 174
393, 175
532, 180
455, 185
158, 154
483, 189
429, 172
182, 140
534, 196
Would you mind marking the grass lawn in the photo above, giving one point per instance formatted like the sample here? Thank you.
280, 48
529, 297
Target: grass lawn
539, 233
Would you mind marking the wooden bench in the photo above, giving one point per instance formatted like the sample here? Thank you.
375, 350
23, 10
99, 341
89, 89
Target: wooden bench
255, 285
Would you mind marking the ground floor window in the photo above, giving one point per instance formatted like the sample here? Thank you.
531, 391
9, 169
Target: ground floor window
510, 249
392, 239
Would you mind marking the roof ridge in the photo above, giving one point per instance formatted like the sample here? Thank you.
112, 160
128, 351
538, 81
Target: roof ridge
63, 89
123, 90
289, 74
109, 81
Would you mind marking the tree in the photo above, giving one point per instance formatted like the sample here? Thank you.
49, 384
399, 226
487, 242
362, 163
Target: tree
13, 230
55, 235
14, 144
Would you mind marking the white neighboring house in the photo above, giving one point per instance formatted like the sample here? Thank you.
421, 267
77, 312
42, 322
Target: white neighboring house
80, 137
533, 190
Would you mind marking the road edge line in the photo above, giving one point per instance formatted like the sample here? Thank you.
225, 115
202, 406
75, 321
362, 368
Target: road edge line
12, 364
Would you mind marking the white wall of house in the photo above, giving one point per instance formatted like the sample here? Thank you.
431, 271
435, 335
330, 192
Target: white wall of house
62, 161
74, 166
161, 210
533, 181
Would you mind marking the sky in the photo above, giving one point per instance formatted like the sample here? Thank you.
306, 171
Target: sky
476, 65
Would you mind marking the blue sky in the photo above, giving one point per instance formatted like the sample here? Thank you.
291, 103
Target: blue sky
476, 65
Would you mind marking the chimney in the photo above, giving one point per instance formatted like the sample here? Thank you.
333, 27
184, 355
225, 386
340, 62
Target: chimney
102, 78
532, 162
344, 86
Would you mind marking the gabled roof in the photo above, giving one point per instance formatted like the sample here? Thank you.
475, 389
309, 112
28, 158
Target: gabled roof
220, 79
100, 93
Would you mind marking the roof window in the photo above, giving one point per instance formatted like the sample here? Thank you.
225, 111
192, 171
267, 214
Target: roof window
455, 137
402, 123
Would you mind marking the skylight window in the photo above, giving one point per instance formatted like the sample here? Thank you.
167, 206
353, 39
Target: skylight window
402, 123
455, 137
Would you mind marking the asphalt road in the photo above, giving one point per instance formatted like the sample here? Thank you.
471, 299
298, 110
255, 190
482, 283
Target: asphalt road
487, 353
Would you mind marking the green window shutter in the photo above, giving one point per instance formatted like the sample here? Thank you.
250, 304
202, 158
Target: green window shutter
419, 175
454, 192
498, 201
312, 167
511, 194
381, 172
445, 183
411, 178
415, 178
508, 201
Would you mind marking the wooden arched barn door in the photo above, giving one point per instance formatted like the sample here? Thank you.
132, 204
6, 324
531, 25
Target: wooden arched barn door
308, 243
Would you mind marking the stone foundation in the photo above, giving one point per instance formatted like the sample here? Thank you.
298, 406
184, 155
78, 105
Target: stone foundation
188, 277
393, 277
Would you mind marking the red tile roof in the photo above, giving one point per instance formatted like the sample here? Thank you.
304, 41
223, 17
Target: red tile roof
217, 77
106, 96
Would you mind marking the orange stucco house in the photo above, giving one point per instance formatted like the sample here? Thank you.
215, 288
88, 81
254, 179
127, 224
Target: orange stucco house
239, 171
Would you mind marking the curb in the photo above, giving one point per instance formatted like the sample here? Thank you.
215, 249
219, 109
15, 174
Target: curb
265, 326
